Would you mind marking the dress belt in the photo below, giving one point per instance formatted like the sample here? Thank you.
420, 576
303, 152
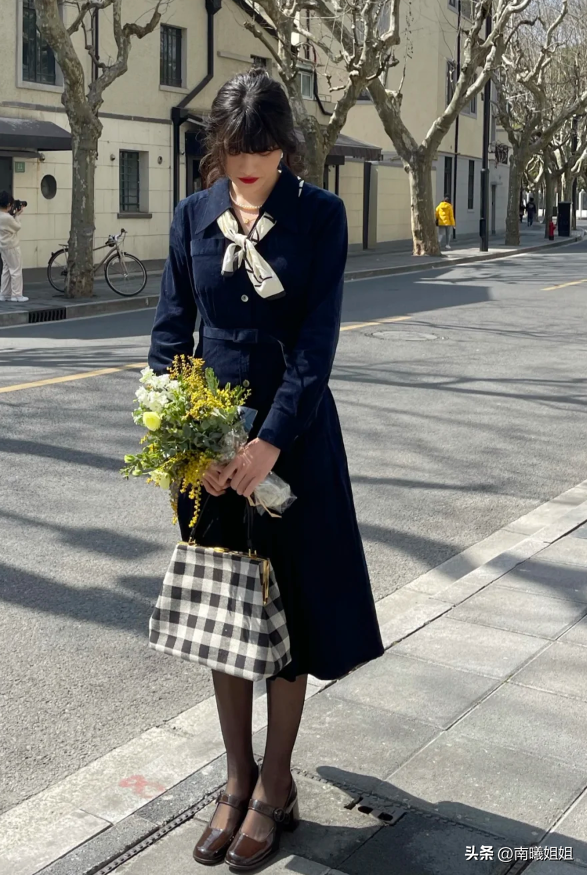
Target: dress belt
240, 335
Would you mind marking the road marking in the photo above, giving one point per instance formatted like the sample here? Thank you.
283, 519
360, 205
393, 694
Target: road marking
377, 322
67, 379
564, 285
86, 374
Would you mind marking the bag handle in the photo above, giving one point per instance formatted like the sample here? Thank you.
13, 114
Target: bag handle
248, 521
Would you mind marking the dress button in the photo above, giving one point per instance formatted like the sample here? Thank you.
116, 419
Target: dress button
244, 298
246, 384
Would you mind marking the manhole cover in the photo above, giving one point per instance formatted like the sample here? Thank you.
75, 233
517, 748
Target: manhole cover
402, 334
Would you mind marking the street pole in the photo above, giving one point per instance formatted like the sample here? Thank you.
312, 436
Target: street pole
484, 222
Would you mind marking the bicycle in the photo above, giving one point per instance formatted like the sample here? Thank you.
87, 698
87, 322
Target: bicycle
125, 274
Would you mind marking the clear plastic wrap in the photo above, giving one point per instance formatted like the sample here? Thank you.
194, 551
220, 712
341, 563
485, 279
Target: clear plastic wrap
273, 495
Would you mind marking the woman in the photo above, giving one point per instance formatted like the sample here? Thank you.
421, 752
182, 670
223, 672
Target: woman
270, 314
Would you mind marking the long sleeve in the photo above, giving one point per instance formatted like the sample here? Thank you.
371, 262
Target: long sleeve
310, 362
175, 318
12, 223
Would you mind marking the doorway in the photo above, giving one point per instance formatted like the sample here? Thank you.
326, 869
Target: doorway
6, 175
493, 207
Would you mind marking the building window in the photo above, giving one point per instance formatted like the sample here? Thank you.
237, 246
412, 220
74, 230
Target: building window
473, 105
130, 182
258, 61
451, 75
307, 83
452, 4
447, 176
471, 186
468, 9
171, 56
38, 60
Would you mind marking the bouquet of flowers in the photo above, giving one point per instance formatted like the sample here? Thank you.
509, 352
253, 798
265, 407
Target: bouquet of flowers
192, 423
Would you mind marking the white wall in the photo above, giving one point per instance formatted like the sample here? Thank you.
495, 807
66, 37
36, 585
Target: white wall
351, 191
393, 203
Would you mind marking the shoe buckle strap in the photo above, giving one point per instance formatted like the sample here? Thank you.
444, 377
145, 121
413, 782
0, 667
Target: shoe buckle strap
233, 801
277, 814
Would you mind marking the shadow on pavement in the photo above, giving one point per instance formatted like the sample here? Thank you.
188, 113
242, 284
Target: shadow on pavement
92, 605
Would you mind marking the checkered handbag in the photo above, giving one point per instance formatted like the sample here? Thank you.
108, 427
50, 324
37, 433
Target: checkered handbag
222, 609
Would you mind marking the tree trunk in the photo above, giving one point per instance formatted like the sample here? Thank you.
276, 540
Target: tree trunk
314, 167
80, 263
424, 234
512, 225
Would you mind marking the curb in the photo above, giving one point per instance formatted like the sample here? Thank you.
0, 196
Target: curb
86, 822
88, 308
467, 259
122, 305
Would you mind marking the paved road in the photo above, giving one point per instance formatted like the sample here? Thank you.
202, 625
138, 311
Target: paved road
457, 420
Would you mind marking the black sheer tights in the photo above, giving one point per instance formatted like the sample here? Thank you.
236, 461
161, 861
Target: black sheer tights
285, 703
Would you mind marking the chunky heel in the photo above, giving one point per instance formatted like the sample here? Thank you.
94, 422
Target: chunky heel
294, 818
247, 854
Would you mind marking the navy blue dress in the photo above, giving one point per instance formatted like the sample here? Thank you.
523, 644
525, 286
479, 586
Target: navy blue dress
284, 349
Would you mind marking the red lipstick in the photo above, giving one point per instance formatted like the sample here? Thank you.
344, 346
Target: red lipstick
248, 180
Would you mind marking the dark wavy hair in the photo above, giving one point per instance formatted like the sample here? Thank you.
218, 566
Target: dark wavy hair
250, 113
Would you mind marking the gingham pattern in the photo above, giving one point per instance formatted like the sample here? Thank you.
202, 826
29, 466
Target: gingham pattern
211, 611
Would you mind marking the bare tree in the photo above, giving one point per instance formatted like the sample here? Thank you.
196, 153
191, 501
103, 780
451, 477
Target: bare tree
539, 90
82, 101
347, 50
363, 36
481, 54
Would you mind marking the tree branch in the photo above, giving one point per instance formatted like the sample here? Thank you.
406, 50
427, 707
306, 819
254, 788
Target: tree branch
83, 9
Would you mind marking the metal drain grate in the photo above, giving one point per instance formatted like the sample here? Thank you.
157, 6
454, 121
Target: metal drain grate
48, 315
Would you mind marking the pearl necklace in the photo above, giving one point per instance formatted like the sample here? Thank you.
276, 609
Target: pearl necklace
246, 209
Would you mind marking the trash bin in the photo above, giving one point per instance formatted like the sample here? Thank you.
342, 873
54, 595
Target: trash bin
564, 219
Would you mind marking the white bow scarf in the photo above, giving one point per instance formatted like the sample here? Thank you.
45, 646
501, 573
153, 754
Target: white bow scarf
243, 247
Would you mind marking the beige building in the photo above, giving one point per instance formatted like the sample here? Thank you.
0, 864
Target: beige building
152, 117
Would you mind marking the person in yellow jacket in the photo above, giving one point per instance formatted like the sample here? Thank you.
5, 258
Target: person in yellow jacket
445, 219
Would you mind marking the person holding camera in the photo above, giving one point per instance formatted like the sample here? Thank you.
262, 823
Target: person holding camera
11, 283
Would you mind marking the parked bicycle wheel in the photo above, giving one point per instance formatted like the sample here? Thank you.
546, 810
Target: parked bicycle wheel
125, 275
57, 270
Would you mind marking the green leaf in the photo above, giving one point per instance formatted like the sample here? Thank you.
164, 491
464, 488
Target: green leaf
211, 380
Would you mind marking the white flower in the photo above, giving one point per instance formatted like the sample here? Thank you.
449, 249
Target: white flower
146, 375
141, 395
156, 401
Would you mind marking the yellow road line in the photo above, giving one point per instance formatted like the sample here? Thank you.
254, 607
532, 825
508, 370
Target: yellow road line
67, 379
563, 285
377, 322
102, 371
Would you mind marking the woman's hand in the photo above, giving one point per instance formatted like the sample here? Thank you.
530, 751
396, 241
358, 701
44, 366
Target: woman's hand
211, 480
248, 468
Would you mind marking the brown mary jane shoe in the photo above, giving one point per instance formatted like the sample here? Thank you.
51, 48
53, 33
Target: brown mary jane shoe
246, 853
214, 843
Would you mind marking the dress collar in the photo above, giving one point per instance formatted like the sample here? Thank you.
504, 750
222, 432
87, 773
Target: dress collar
282, 203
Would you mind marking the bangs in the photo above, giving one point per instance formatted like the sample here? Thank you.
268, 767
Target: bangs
248, 133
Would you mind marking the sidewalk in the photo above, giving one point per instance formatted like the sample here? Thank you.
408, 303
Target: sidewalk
461, 750
47, 305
